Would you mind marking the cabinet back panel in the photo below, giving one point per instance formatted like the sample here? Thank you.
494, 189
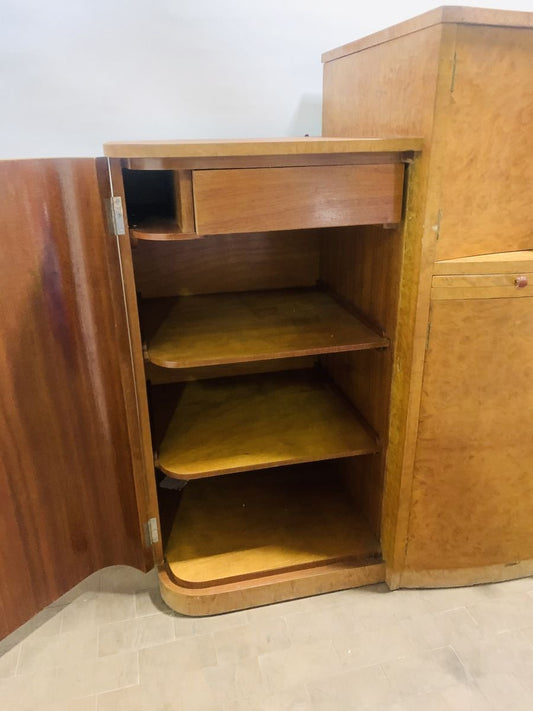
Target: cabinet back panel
222, 263
68, 504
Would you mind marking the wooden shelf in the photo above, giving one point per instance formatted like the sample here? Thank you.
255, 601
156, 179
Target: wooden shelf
259, 421
160, 230
244, 526
237, 328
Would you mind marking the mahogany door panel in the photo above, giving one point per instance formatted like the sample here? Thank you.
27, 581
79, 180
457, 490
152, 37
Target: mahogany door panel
68, 504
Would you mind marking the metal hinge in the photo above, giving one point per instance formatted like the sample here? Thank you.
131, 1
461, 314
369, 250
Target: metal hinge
428, 335
151, 531
116, 215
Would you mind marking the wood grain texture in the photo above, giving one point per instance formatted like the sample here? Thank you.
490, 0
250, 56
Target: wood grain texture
459, 577
315, 145
446, 14
472, 489
158, 376
184, 201
259, 523
227, 201
486, 173
225, 263
362, 267
481, 286
67, 488
274, 161
231, 425
495, 263
232, 328
404, 82
269, 589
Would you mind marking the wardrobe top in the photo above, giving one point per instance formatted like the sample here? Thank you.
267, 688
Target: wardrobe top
448, 14
259, 147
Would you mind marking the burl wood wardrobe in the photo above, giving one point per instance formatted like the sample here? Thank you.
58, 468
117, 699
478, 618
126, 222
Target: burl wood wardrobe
284, 367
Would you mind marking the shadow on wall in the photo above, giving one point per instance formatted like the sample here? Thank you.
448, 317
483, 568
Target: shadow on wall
308, 116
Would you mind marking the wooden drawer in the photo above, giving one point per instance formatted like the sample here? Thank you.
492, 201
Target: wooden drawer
261, 199
482, 286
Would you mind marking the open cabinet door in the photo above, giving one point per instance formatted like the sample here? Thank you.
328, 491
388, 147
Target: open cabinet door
72, 498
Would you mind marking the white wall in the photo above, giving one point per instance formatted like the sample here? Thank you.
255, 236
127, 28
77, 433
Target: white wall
77, 73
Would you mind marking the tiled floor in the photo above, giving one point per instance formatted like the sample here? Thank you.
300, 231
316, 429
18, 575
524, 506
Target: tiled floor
111, 645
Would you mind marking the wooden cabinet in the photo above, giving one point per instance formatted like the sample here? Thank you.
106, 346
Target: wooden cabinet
459, 500
266, 278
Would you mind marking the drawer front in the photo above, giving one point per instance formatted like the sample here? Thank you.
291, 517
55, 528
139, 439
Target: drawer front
482, 286
264, 199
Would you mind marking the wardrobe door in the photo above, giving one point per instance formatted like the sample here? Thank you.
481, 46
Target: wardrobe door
71, 496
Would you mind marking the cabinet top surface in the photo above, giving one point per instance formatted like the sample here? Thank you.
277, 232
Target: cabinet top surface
258, 147
448, 14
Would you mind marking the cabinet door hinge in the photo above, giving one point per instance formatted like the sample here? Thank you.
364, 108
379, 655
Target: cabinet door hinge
436, 226
428, 335
151, 531
115, 215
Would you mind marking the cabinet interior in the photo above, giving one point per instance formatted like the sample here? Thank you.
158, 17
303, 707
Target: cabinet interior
268, 365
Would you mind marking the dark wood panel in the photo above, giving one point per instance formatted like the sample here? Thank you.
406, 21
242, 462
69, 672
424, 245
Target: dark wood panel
68, 503
213, 264
294, 198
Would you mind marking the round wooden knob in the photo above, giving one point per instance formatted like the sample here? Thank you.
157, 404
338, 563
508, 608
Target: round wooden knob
520, 282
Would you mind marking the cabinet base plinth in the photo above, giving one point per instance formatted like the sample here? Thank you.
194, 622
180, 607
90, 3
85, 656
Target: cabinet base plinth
461, 577
266, 590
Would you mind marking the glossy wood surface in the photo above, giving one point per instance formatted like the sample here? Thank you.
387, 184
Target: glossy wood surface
296, 198
472, 488
231, 425
249, 525
161, 229
227, 263
308, 146
68, 501
231, 328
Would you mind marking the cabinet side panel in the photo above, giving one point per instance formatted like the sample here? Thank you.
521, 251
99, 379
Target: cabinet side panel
473, 488
66, 489
386, 90
487, 171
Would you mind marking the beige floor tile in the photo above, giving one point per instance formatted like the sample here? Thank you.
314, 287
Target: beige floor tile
507, 652
440, 629
213, 623
123, 579
86, 704
505, 693
45, 623
431, 671
145, 697
148, 602
48, 652
9, 661
80, 614
294, 699
299, 664
95, 677
329, 622
161, 664
377, 642
114, 606
510, 612
129, 635
238, 643
442, 599
464, 697
357, 690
